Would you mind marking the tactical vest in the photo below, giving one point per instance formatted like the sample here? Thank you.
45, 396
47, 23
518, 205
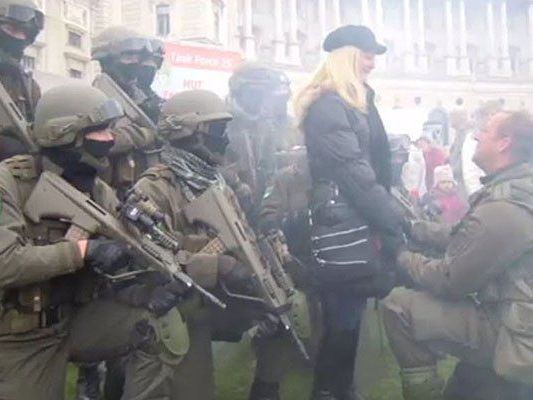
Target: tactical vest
31, 307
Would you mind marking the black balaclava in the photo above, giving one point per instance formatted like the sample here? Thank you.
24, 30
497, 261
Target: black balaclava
15, 47
81, 165
210, 146
146, 76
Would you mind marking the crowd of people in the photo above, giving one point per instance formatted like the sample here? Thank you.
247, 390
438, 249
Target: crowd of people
190, 220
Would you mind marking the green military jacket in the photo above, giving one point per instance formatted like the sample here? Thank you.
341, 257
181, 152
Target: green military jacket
490, 246
288, 194
489, 255
37, 265
161, 186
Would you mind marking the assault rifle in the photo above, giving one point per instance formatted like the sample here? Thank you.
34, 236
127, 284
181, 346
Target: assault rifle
55, 198
131, 109
12, 120
218, 209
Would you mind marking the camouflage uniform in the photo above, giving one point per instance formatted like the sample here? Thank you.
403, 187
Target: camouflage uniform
464, 300
55, 308
19, 84
260, 128
132, 141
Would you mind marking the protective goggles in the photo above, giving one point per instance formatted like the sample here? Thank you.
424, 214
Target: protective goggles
135, 45
23, 14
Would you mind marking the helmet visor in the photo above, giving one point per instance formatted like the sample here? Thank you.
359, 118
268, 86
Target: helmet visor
25, 14
135, 45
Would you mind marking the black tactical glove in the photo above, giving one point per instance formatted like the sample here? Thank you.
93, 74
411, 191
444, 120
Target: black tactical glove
235, 276
166, 297
107, 256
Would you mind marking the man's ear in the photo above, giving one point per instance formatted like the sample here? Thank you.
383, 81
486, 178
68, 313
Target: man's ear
504, 144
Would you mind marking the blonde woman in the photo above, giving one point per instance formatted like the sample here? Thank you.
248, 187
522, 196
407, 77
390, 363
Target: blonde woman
354, 224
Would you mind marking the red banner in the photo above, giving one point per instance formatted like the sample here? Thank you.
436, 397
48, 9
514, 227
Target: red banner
202, 58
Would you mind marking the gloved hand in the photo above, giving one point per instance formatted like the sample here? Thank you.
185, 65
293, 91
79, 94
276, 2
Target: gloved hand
235, 276
107, 256
166, 297
268, 326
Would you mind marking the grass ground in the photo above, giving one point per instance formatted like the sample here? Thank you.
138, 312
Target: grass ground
377, 371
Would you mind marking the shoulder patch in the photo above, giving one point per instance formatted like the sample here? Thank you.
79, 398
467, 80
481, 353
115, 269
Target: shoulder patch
23, 167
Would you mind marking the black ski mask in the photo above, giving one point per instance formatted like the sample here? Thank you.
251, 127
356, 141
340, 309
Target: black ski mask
146, 76
31, 27
98, 148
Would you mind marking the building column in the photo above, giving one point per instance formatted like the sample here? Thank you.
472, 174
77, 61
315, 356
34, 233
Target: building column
249, 40
381, 62
464, 65
422, 61
451, 60
224, 24
294, 47
506, 60
365, 12
408, 36
336, 13
493, 62
322, 19
279, 39
530, 21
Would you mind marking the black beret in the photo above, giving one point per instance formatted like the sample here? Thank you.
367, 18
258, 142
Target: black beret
353, 35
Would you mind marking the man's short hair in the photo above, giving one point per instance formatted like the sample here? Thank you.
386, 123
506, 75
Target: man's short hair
518, 125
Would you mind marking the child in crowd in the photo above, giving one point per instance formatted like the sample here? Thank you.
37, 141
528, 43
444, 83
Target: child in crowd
443, 200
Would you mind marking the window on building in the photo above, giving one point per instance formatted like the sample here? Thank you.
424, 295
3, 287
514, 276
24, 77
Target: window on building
75, 73
74, 39
28, 63
162, 12
218, 21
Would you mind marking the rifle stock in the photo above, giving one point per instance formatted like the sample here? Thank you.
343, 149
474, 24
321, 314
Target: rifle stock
55, 198
218, 208
11, 118
132, 111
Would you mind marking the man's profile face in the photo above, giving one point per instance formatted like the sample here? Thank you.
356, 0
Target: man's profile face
489, 143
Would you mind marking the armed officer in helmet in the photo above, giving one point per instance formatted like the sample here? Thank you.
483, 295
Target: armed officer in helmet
258, 98
20, 23
193, 124
56, 304
131, 60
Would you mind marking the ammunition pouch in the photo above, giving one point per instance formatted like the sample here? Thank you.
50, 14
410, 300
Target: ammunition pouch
16, 321
173, 335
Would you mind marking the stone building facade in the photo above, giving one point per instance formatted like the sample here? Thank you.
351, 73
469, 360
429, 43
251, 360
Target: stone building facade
438, 49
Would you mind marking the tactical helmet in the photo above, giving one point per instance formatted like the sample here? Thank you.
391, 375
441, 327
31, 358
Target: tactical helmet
191, 112
64, 113
114, 41
257, 91
25, 13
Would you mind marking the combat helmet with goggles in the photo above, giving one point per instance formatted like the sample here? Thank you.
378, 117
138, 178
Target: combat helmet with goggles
65, 114
24, 15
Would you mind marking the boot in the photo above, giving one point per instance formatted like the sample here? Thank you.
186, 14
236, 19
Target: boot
421, 383
470, 382
264, 391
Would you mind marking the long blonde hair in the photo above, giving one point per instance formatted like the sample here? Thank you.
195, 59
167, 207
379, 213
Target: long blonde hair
338, 73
